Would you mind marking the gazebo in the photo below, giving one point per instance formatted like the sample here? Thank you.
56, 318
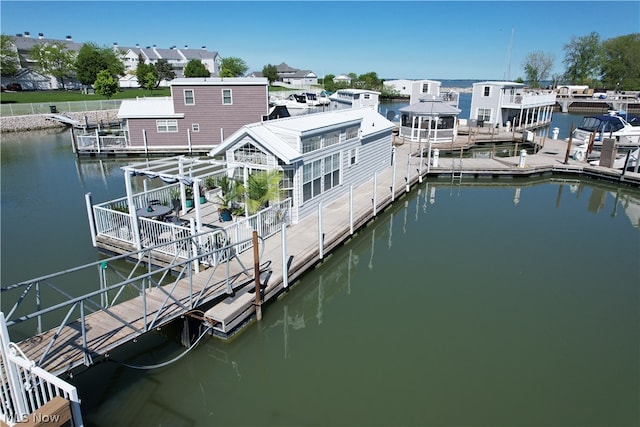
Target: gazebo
431, 120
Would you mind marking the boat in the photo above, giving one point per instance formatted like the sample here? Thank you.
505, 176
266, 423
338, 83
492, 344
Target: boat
618, 125
301, 101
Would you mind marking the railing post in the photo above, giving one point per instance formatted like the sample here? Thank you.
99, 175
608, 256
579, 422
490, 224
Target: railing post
374, 198
285, 269
92, 219
320, 237
15, 383
351, 209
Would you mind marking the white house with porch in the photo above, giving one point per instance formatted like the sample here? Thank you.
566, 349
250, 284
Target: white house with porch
320, 155
511, 105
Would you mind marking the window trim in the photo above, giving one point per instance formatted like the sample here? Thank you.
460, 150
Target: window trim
224, 98
166, 126
195, 127
193, 97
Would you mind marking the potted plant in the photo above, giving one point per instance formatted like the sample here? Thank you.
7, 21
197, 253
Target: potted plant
230, 192
203, 199
189, 196
211, 189
174, 193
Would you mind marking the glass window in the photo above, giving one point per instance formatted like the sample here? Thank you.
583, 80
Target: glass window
351, 132
484, 114
311, 144
331, 171
189, 98
226, 97
163, 126
195, 127
311, 178
353, 156
487, 91
249, 153
331, 138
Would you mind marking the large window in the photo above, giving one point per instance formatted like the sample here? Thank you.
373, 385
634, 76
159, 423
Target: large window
163, 126
311, 144
331, 171
226, 97
352, 132
249, 153
286, 184
311, 179
319, 176
189, 98
484, 114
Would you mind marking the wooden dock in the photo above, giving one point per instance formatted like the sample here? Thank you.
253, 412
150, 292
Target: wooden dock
298, 251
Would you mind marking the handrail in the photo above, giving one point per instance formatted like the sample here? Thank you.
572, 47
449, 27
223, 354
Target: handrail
142, 283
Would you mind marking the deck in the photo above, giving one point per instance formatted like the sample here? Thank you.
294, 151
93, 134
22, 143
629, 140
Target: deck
294, 250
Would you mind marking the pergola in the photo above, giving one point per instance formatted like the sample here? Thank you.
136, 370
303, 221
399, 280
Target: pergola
187, 171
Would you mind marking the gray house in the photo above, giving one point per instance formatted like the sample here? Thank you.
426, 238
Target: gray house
320, 155
200, 112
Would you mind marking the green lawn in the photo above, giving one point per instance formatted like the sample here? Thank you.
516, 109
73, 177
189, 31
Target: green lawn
45, 96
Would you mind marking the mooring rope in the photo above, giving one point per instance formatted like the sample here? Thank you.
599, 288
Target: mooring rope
168, 362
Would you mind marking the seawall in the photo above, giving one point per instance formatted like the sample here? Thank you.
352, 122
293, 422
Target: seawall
41, 121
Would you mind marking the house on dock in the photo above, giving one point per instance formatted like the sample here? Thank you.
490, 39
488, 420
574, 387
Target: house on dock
354, 98
320, 155
199, 113
510, 105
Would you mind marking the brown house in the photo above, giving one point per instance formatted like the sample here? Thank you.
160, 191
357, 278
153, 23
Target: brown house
200, 113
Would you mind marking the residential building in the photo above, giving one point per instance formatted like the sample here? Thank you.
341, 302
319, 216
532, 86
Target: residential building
200, 112
320, 155
354, 98
510, 105
178, 58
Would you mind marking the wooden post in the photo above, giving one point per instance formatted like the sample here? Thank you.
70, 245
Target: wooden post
256, 272
566, 155
592, 140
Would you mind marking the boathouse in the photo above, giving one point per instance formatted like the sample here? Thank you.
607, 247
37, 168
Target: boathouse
320, 155
510, 105
200, 113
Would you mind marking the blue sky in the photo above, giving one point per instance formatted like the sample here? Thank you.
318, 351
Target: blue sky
413, 40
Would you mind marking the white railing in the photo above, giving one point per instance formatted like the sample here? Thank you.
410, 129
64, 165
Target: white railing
415, 134
99, 142
67, 107
530, 99
24, 387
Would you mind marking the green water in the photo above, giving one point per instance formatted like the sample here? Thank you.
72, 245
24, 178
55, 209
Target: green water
472, 310
494, 303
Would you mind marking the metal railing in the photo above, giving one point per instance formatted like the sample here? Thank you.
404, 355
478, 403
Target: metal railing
144, 278
64, 106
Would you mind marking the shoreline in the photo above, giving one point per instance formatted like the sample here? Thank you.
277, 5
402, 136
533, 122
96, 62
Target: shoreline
24, 123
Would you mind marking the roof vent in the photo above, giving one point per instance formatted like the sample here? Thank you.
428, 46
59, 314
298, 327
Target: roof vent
40, 35
27, 34
69, 38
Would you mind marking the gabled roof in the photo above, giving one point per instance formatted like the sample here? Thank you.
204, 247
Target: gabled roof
169, 54
281, 137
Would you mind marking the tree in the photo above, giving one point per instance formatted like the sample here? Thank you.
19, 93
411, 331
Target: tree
92, 59
105, 84
9, 59
146, 75
370, 80
582, 59
270, 72
195, 68
537, 66
621, 65
262, 187
53, 59
232, 67
164, 71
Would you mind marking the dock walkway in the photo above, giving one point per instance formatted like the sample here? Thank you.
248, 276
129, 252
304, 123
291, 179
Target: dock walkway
297, 251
